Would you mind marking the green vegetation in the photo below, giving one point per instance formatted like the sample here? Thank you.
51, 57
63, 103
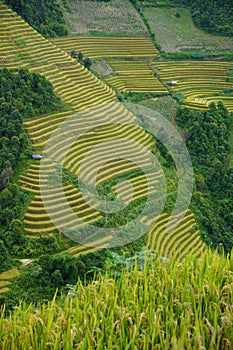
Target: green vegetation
13, 141
208, 136
39, 280
102, 69
87, 62
188, 303
45, 16
23, 94
179, 34
166, 305
27, 93
214, 16
165, 105
15, 148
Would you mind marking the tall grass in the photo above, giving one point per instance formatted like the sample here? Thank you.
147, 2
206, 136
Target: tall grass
169, 305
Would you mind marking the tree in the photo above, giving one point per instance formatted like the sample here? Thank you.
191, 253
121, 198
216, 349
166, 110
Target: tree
73, 53
5, 177
45, 16
46, 262
87, 62
57, 278
5, 198
3, 252
80, 56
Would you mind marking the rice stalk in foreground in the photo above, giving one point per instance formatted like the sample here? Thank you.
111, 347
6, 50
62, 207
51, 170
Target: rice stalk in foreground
170, 305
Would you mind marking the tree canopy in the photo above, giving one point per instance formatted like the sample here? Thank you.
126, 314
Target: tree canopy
208, 136
30, 94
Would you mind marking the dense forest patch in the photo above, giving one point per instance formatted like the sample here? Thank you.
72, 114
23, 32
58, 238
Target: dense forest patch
208, 136
29, 93
214, 16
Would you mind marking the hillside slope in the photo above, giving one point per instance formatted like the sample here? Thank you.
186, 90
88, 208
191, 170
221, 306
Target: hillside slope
83, 92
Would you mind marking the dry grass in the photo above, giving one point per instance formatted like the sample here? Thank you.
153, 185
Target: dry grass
102, 68
116, 17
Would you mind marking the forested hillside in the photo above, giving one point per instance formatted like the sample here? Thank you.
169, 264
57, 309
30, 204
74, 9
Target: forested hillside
214, 16
43, 15
28, 93
22, 94
208, 137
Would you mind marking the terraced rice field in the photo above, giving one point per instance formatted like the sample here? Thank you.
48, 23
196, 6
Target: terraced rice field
85, 249
200, 82
22, 46
100, 47
170, 240
95, 103
80, 89
36, 220
134, 76
5, 278
137, 187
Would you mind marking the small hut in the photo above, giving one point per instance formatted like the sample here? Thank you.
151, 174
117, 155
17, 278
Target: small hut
37, 156
172, 83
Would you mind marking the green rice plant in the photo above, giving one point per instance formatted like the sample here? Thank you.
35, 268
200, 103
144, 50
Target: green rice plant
167, 304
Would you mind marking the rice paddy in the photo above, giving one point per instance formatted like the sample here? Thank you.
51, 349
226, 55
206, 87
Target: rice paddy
134, 76
175, 241
101, 47
199, 82
95, 115
5, 278
184, 299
